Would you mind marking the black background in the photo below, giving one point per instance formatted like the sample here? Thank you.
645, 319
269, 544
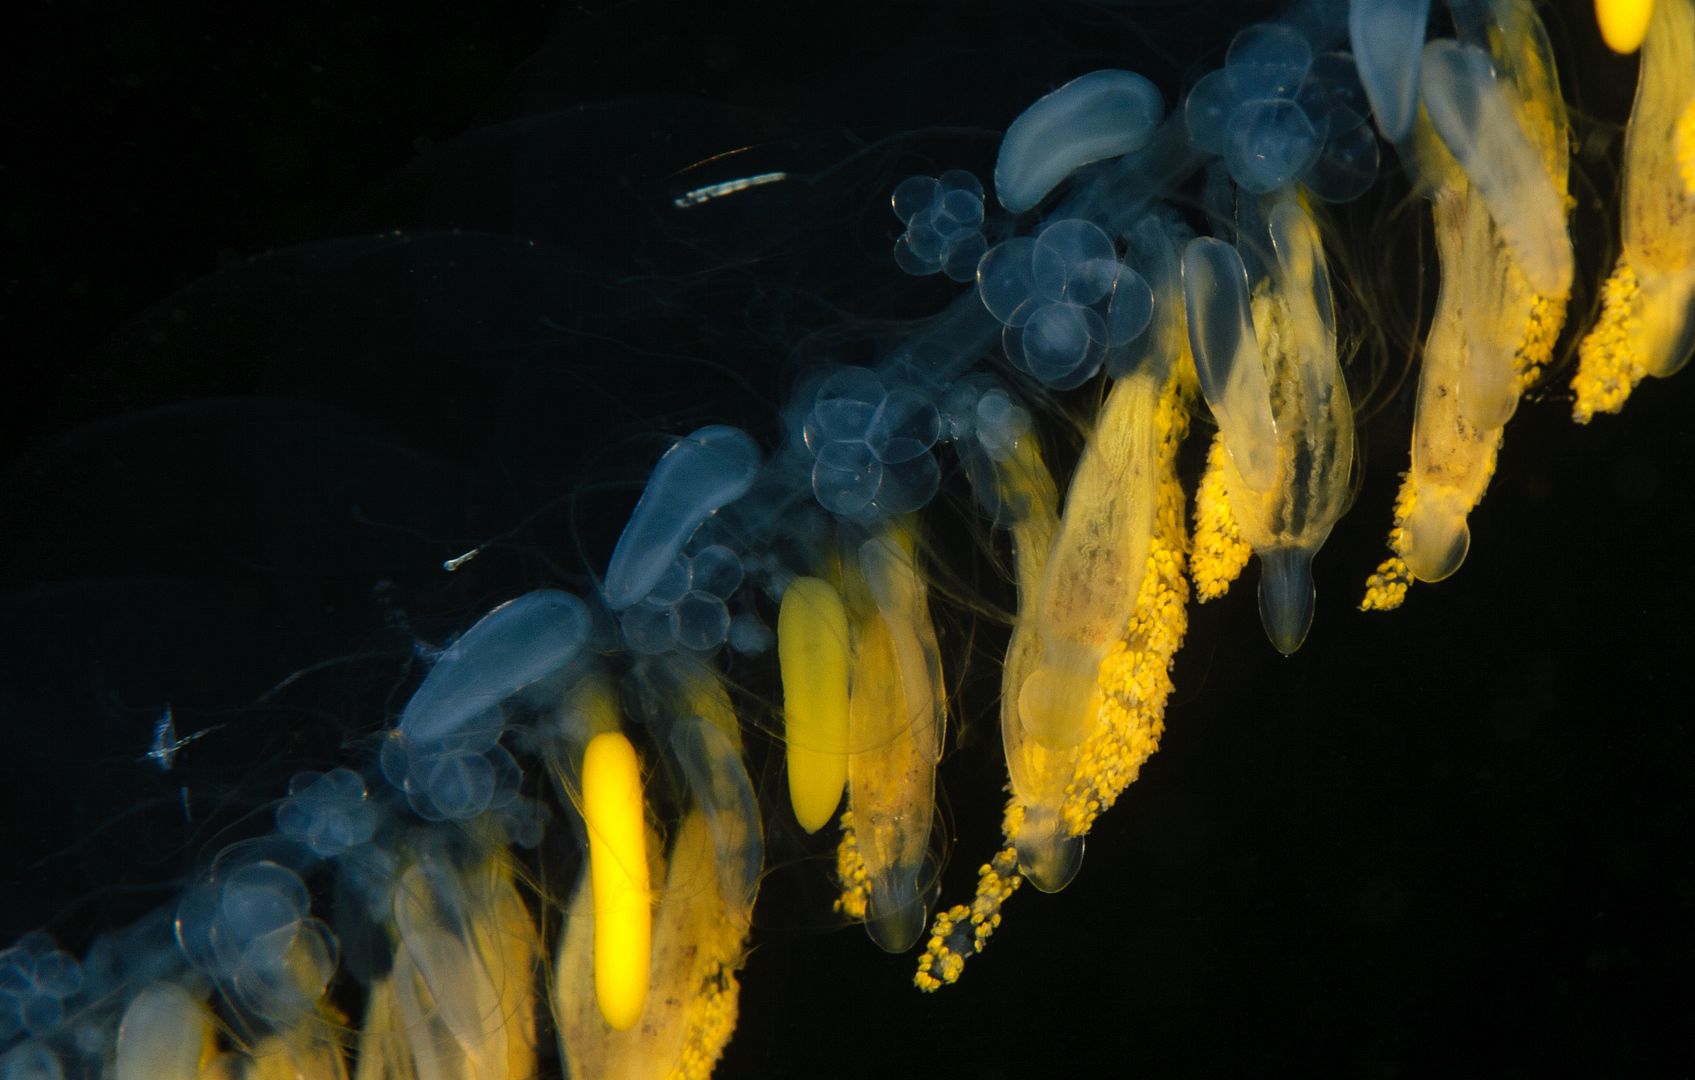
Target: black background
1453, 840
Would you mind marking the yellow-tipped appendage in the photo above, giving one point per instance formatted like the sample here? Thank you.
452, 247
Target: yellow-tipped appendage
623, 904
1645, 326
1076, 785
813, 655
1307, 459
1492, 333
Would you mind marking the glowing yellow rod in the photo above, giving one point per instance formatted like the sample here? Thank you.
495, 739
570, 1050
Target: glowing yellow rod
623, 912
812, 651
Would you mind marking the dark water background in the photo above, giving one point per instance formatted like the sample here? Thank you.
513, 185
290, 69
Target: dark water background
1454, 840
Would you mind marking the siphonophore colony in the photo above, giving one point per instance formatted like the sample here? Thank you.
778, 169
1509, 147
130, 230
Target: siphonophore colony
1141, 341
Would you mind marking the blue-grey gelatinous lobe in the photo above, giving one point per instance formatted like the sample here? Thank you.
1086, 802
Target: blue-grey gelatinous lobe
252, 932
1332, 96
519, 643
1477, 121
1267, 60
904, 426
1286, 597
1073, 260
943, 218
1227, 357
1388, 41
1130, 308
1207, 109
706, 470
36, 978
1006, 280
1269, 143
700, 621
328, 812
1348, 165
844, 406
1093, 117
717, 570
1149, 246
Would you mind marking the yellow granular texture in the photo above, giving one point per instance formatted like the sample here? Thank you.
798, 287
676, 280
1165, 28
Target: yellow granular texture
961, 932
1220, 553
1135, 677
1683, 141
1608, 365
713, 1011
850, 872
1387, 587
1536, 347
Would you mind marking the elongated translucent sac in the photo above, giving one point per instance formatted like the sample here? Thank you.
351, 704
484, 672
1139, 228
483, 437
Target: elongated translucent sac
704, 471
1647, 321
896, 716
1092, 570
1492, 332
1057, 795
518, 644
460, 1000
1093, 117
1470, 108
1388, 42
1288, 348
814, 656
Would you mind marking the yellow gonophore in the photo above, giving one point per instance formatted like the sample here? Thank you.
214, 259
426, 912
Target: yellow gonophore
1096, 561
1109, 513
1288, 518
1623, 23
1491, 334
813, 654
896, 715
1076, 785
1646, 326
623, 919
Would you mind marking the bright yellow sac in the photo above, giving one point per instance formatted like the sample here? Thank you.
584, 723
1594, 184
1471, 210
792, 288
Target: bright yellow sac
1647, 321
1624, 23
812, 652
623, 916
